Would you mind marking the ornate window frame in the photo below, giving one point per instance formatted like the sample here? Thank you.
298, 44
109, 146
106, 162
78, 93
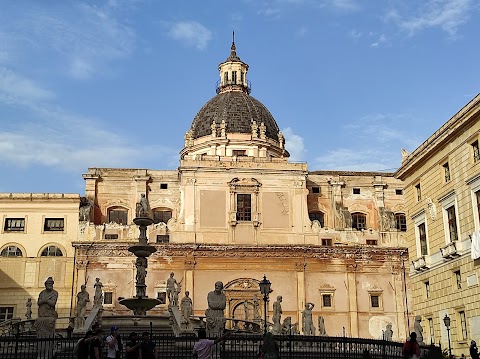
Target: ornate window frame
327, 290
375, 291
244, 186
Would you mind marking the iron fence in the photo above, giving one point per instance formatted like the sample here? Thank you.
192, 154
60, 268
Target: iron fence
235, 347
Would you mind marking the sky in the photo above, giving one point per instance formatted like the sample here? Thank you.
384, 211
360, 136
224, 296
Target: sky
117, 83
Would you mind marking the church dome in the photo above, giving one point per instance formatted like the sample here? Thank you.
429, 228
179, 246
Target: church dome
238, 110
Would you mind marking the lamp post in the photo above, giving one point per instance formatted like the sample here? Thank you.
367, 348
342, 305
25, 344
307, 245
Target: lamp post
265, 290
446, 321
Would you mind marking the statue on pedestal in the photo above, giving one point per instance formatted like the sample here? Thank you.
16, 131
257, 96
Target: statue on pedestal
388, 334
141, 264
277, 315
321, 326
47, 299
307, 320
256, 312
171, 289
142, 207
186, 308
418, 329
82, 299
28, 306
98, 297
215, 317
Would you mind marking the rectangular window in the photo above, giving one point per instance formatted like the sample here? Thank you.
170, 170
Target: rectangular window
239, 153
356, 191
327, 300
463, 322
163, 238
14, 225
375, 301
398, 192
427, 289
359, 221
241, 76
163, 185
161, 216
423, 239
317, 216
6, 313
244, 207
53, 224
372, 242
234, 77
315, 189
432, 331
452, 223
419, 192
477, 196
118, 216
162, 297
108, 298
400, 222
326, 242
111, 236
458, 279
225, 77
476, 151
446, 171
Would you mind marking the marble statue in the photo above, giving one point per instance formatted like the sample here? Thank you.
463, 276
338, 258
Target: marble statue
98, 297
321, 326
85, 210
254, 129
256, 312
223, 129
388, 334
418, 329
307, 320
142, 207
186, 308
277, 315
82, 299
177, 291
47, 299
171, 289
28, 306
263, 130
188, 138
281, 139
215, 317
214, 128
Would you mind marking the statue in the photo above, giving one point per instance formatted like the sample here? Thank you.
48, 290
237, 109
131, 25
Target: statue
188, 138
82, 299
245, 308
223, 129
176, 293
307, 320
256, 312
98, 297
47, 299
85, 210
141, 264
405, 155
28, 306
388, 334
214, 128
215, 317
186, 308
142, 207
281, 139
321, 326
418, 329
263, 129
277, 315
254, 129
171, 283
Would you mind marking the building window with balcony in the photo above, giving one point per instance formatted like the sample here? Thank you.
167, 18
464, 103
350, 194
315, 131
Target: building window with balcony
422, 235
14, 225
401, 222
359, 221
457, 277
161, 216
452, 224
54, 225
11, 251
446, 171
419, 192
476, 151
51, 251
244, 207
118, 216
317, 216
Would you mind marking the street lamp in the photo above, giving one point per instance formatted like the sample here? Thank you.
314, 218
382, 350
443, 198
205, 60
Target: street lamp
265, 290
446, 321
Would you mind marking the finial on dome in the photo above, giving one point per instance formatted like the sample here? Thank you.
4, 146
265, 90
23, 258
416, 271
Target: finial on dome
233, 53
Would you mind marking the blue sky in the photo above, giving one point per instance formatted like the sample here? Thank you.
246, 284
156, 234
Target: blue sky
117, 83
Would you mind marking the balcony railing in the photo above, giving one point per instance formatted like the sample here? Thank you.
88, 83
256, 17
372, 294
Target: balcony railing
221, 84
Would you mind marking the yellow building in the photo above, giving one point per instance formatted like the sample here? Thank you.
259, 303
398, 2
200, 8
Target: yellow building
442, 192
36, 242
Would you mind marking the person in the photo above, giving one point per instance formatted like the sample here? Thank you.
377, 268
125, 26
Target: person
366, 354
96, 344
203, 348
113, 341
133, 346
411, 349
81, 348
269, 349
473, 350
148, 350
215, 317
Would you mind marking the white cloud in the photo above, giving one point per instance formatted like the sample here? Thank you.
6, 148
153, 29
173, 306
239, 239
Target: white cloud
302, 31
191, 33
448, 15
382, 39
358, 160
345, 5
17, 89
355, 35
294, 145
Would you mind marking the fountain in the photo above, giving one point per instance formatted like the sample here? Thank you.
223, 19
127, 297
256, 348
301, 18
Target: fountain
140, 303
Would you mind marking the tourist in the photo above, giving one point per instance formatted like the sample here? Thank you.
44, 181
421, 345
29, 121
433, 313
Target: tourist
473, 350
203, 348
133, 346
81, 348
96, 344
148, 349
411, 349
113, 341
269, 348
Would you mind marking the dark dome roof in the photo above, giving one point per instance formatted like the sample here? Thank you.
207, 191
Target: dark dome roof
238, 109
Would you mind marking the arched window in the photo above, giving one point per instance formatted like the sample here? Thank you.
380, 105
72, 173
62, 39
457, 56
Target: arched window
318, 216
161, 215
11, 251
118, 215
359, 221
401, 222
51, 251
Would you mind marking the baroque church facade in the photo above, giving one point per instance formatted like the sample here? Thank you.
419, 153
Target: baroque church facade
234, 210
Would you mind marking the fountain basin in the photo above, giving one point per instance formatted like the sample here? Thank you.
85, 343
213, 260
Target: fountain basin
142, 250
139, 306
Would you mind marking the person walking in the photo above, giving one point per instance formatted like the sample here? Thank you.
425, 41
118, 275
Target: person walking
203, 348
148, 350
113, 344
473, 350
411, 349
96, 344
133, 346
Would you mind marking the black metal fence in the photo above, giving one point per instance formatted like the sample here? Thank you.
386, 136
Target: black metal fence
236, 346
